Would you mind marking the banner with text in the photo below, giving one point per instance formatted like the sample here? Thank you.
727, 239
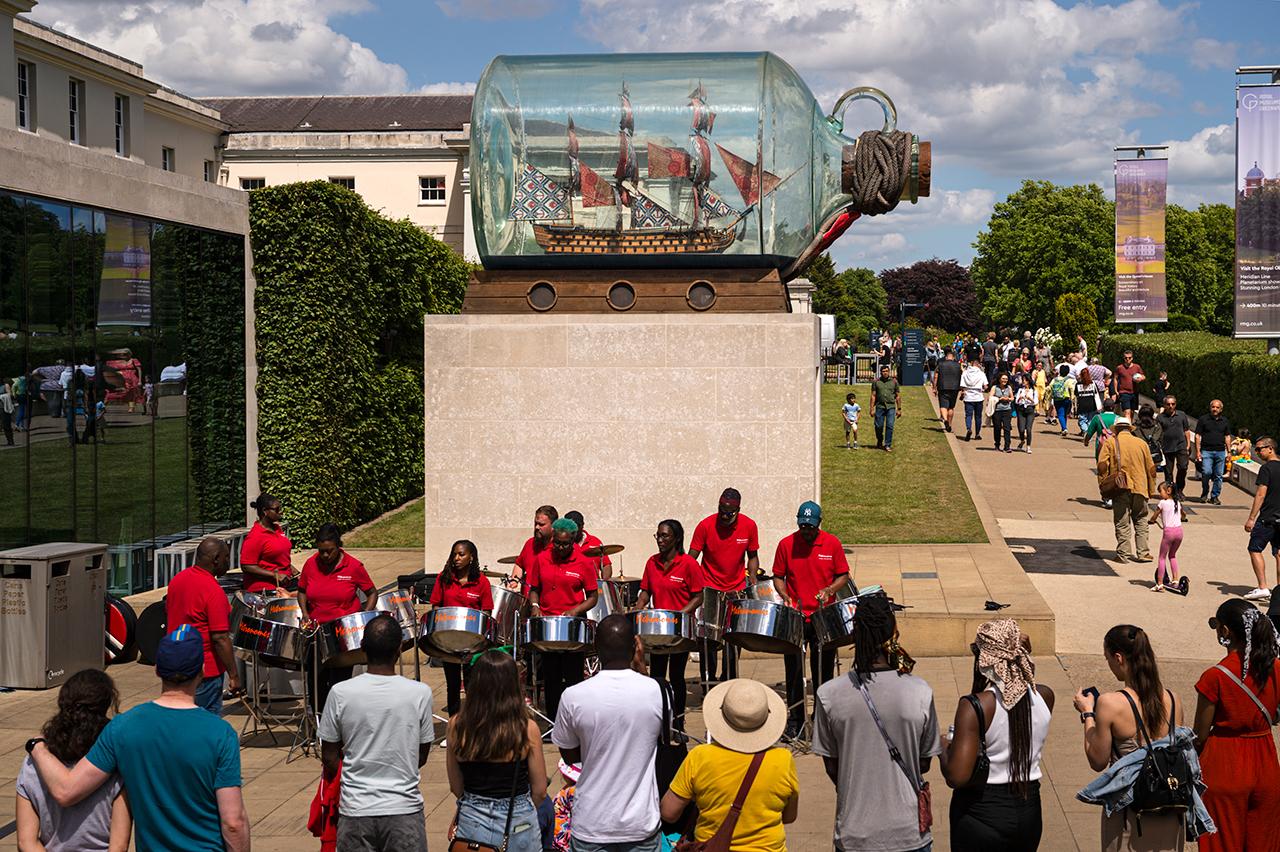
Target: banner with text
1257, 211
124, 297
1140, 198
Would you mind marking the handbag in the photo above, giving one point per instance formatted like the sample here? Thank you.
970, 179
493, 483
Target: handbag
982, 764
924, 797
461, 844
1272, 718
1165, 781
723, 838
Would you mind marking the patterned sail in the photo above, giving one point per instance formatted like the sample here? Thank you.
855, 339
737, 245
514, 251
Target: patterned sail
596, 191
752, 181
667, 162
539, 198
712, 205
645, 213
704, 119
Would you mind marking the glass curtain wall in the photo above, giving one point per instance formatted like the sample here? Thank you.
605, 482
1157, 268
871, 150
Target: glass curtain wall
122, 360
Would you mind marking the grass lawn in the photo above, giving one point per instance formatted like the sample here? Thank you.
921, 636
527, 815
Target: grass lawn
403, 529
913, 495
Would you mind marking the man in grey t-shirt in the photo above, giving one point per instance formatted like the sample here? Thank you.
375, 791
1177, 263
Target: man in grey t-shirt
378, 726
876, 805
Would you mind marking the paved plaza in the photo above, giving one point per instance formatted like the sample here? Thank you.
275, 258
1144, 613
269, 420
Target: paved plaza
1045, 507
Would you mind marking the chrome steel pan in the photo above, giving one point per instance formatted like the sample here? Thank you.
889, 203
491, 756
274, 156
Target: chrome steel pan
711, 615
242, 604
764, 626
275, 644
340, 639
627, 588
508, 607
764, 591
833, 623
398, 603
283, 610
455, 633
665, 631
560, 633
608, 602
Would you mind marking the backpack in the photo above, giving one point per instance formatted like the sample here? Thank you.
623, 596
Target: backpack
1165, 781
1149, 435
1058, 388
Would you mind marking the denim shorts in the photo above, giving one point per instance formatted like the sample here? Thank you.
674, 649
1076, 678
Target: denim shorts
1264, 533
482, 819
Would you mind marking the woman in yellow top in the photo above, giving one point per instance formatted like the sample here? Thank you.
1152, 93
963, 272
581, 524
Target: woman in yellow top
743, 719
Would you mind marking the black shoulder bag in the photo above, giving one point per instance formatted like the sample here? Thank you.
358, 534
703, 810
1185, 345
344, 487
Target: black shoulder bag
1164, 782
982, 764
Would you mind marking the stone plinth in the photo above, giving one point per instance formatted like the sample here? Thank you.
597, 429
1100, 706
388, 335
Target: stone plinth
629, 419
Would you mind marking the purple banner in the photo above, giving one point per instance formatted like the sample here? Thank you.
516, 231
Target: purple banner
1257, 211
1140, 199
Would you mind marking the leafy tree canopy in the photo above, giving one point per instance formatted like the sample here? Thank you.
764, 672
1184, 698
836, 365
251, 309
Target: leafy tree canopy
943, 285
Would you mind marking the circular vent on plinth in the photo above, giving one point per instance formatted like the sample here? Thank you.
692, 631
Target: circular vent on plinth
622, 296
542, 296
701, 295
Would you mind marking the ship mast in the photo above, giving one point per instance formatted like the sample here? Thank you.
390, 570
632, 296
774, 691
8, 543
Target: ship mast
628, 169
703, 122
575, 168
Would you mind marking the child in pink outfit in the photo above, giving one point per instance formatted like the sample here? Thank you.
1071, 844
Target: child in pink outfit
1168, 513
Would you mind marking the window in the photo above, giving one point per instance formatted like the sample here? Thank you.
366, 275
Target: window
431, 190
26, 96
252, 183
347, 182
166, 159
122, 126
75, 97
210, 173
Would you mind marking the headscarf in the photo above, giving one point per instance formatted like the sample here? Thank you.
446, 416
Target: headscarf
1250, 616
1003, 660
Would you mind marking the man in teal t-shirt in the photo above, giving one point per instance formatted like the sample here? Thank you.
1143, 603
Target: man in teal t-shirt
180, 764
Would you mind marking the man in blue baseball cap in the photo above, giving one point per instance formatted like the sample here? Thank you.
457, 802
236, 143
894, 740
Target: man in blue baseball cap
809, 569
179, 762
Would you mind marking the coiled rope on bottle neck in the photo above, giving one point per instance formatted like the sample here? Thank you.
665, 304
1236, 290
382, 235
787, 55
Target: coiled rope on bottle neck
880, 162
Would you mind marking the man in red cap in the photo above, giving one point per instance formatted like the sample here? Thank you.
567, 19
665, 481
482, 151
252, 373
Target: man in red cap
725, 541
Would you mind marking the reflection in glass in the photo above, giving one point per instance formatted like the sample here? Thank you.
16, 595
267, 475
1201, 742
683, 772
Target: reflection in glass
13, 342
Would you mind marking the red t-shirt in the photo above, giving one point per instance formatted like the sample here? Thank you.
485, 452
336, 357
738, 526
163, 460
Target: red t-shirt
562, 585
1235, 714
333, 595
724, 551
1124, 377
473, 594
267, 549
807, 569
588, 540
195, 598
675, 588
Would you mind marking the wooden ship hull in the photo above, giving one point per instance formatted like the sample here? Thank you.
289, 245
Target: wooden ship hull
570, 239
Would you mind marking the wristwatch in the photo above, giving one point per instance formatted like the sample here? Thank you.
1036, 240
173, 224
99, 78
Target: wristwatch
1088, 714
31, 743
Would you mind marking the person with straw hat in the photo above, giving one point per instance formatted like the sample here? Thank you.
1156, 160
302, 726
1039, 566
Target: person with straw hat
739, 765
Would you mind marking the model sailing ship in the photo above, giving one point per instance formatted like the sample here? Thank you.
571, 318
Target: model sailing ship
641, 223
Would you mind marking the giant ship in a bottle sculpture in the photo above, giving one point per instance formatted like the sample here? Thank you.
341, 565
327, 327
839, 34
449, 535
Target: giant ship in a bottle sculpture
667, 181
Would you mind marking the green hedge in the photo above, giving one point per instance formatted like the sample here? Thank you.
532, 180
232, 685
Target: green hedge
341, 296
1203, 367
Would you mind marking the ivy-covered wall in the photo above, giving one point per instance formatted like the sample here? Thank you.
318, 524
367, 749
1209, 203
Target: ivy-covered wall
339, 305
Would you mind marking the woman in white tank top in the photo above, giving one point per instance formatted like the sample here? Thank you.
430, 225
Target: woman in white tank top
1007, 719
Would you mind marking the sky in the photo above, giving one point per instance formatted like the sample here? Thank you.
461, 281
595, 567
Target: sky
1005, 90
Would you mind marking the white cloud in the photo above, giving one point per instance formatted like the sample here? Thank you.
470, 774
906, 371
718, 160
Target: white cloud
447, 89
495, 10
225, 47
1201, 168
1207, 53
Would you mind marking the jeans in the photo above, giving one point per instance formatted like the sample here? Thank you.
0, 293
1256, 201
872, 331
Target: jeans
973, 417
652, 843
822, 667
1212, 465
209, 694
670, 667
885, 418
1063, 409
1026, 422
482, 819
1002, 423
391, 833
1178, 478
1129, 512
1083, 418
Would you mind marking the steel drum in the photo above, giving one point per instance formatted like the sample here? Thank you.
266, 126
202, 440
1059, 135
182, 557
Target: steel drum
833, 623
283, 610
627, 589
508, 606
455, 633
340, 639
560, 633
764, 626
711, 615
275, 643
609, 601
665, 631
764, 591
242, 604
398, 603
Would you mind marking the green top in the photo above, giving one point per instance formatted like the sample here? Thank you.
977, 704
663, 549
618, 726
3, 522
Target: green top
1100, 422
885, 392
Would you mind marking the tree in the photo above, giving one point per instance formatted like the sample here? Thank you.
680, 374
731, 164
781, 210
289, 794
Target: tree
1074, 316
1043, 241
943, 285
853, 296
1199, 265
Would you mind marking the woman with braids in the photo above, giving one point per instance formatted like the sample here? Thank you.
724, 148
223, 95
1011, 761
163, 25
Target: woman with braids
1002, 814
494, 762
99, 823
460, 584
1236, 708
672, 580
878, 799
1111, 732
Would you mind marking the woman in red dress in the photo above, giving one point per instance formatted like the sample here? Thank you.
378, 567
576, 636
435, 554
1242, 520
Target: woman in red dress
327, 591
264, 555
460, 584
1237, 754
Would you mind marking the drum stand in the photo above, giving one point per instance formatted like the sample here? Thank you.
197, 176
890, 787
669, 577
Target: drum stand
802, 742
306, 739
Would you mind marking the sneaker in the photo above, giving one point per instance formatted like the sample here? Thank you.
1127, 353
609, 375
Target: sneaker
1215, 501
846, 446
792, 730
855, 445
946, 426
1258, 595
968, 434
1027, 450
444, 744
1106, 504
1123, 557
888, 449
1157, 588
1142, 557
